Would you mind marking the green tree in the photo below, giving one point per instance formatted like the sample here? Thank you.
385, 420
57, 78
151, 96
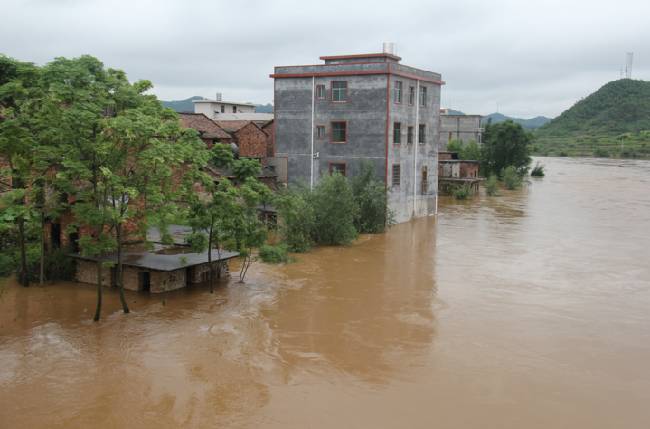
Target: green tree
370, 196
249, 231
211, 217
296, 218
244, 168
505, 144
335, 211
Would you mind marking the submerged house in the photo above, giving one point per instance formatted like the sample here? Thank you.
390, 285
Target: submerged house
161, 269
356, 109
454, 172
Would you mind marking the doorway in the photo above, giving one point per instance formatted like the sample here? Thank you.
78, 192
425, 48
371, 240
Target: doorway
145, 281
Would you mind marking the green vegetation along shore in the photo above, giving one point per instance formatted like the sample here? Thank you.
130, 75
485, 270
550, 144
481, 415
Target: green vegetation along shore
612, 122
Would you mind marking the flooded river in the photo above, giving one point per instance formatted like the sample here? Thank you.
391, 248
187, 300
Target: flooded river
528, 310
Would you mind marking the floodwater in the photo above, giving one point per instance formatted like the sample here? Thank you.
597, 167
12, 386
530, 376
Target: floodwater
529, 310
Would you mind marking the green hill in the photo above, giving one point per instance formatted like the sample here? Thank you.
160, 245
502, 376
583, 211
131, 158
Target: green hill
181, 105
530, 124
613, 121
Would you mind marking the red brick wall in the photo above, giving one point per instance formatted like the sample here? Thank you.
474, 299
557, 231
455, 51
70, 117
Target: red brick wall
270, 140
469, 169
252, 142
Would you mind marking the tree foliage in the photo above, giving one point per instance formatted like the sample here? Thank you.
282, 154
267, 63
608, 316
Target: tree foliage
335, 211
505, 144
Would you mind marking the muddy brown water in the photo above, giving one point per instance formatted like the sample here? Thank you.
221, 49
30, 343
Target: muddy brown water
530, 310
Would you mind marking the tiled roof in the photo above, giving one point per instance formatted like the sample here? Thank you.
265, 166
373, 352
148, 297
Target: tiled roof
206, 127
234, 126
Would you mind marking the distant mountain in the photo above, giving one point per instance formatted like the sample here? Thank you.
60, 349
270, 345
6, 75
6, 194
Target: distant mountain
182, 105
264, 108
613, 121
454, 112
187, 105
530, 124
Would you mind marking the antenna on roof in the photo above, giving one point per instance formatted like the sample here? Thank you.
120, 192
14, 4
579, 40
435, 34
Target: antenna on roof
629, 57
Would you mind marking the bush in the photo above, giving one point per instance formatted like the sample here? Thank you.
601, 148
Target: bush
7, 264
537, 171
335, 211
274, 254
296, 219
511, 179
601, 153
370, 197
492, 185
461, 192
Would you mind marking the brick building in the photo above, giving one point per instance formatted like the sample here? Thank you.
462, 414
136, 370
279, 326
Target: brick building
208, 130
251, 140
361, 108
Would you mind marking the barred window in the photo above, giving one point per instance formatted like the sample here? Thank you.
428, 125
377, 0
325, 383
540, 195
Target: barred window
423, 96
320, 91
422, 134
397, 133
397, 92
411, 95
337, 167
396, 177
339, 90
320, 131
339, 132
409, 135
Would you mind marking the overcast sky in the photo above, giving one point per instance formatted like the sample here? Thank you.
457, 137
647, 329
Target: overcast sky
526, 57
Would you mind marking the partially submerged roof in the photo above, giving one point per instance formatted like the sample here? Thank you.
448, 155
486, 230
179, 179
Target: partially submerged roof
206, 127
162, 261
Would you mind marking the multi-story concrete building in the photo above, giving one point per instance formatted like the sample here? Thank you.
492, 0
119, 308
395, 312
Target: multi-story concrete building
459, 127
361, 108
212, 108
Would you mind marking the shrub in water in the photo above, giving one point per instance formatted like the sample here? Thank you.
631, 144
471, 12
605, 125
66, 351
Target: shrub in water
274, 254
492, 185
296, 219
511, 179
335, 211
370, 196
461, 192
538, 170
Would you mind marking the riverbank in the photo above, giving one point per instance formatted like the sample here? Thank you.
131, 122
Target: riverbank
523, 310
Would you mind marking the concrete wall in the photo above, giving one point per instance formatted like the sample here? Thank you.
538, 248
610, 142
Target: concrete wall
164, 281
459, 127
212, 110
369, 113
87, 273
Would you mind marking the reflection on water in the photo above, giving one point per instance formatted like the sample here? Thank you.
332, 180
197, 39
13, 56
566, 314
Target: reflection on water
526, 310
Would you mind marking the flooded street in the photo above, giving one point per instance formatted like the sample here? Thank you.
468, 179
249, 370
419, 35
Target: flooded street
528, 310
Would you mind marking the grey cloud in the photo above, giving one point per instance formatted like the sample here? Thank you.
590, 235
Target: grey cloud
528, 57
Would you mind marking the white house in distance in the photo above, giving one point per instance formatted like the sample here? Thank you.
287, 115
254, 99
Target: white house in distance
219, 109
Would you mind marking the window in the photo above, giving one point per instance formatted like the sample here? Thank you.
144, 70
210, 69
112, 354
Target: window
396, 177
223, 108
411, 95
320, 91
422, 130
339, 90
409, 135
425, 180
320, 131
423, 96
339, 132
397, 92
337, 167
397, 133
234, 109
